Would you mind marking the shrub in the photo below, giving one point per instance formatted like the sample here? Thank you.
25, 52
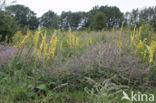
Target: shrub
8, 25
99, 21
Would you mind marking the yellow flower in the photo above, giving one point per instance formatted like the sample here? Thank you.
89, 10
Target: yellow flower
43, 43
151, 52
18, 36
140, 45
153, 45
122, 27
25, 39
45, 54
52, 48
36, 39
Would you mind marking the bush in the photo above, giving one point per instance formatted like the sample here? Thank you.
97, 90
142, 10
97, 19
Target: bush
99, 21
8, 26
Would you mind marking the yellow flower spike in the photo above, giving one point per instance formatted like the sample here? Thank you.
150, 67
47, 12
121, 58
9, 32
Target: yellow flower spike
45, 54
54, 48
132, 37
18, 36
151, 52
140, 45
26, 38
120, 37
145, 52
53, 43
122, 27
15, 46
153, 45
41, 46
36, 39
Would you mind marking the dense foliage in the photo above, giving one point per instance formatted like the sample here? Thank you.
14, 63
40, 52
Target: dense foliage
71, 67
49, 20
99, 21
24, 16
8, 25
112, 18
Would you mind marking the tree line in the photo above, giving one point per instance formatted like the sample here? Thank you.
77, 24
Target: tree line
16, 17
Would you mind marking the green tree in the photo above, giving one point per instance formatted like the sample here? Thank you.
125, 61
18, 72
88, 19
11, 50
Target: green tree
148, 15
65, 20
90, 16
113, 14
74, 20
143, 16
3, 3
134, 17
100, 21
49, 20
8, 26
24, 16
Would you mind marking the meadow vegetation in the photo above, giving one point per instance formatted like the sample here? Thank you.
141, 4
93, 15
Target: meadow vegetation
57, 66
76, 57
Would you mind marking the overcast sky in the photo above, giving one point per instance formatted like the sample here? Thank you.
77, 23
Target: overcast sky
42, 6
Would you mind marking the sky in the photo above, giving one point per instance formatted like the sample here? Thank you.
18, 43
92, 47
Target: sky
42, 6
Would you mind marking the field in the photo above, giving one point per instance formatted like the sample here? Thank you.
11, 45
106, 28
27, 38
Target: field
54, 66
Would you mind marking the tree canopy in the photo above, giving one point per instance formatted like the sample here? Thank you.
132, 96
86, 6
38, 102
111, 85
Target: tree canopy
8, 25
99, 21
97, 18
24, 16
49, 20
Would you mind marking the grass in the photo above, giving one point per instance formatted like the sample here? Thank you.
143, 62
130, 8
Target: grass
82, 67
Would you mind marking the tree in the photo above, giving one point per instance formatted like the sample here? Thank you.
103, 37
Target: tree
90, 16
65, 20
139, 17
8, 26
49, 20
74, 20
148, 15
134, 17
127, 19
24, 16
113, 14
100, 21
3, 3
